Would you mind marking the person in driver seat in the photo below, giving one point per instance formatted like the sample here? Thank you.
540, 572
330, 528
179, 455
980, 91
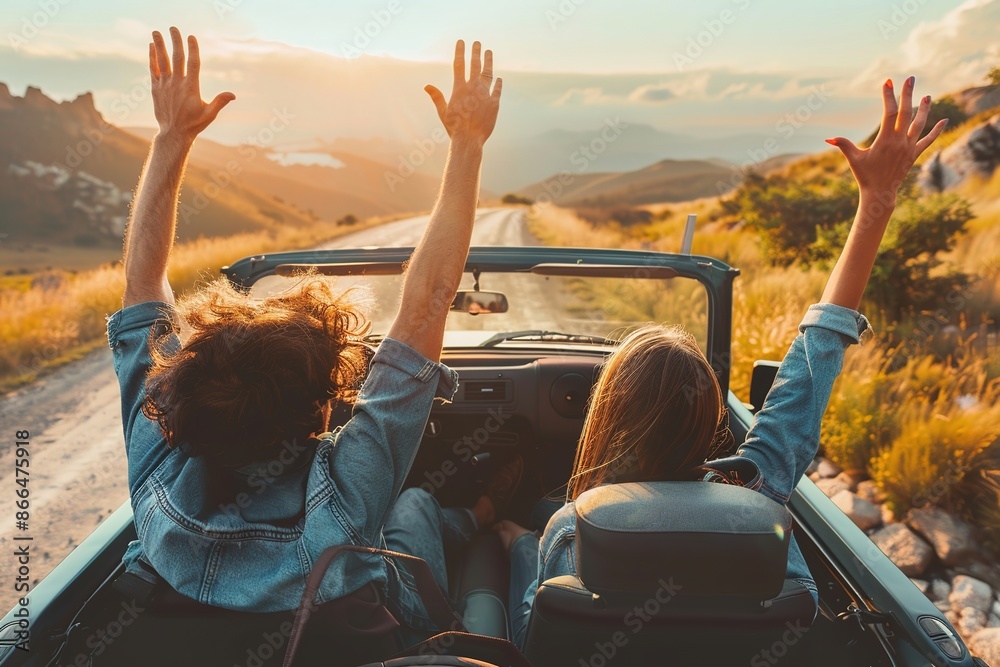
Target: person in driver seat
235, 484
657, 412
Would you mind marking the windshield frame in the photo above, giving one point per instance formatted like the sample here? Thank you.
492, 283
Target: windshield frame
714, 275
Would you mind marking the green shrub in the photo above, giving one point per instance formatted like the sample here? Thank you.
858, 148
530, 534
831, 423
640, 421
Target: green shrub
860, 419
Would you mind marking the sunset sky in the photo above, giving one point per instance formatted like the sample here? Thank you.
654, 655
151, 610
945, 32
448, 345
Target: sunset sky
716, 68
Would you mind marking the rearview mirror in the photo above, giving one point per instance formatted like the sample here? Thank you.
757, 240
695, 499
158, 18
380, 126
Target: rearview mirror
476, 303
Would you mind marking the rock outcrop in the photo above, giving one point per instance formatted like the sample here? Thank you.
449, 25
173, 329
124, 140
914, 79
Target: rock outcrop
976, 154
910, 553
951, 537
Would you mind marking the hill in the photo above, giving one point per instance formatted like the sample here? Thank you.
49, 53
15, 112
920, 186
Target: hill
66, 177
664, 181
322, 177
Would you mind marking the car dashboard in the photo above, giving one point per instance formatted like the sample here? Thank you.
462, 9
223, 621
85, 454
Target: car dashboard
525, 401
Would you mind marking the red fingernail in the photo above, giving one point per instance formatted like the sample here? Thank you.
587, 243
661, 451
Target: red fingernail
888, 82
832, 142
912, 80
927, 99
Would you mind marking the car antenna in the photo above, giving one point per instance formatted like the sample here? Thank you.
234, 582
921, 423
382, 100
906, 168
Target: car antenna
475, 276
688, 234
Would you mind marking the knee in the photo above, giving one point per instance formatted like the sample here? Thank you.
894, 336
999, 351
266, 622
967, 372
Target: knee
416, 499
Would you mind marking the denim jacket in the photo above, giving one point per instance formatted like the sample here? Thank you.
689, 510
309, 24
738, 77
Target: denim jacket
782, 442
247, 539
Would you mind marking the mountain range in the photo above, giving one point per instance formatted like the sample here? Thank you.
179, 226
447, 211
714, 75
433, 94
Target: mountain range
67, 175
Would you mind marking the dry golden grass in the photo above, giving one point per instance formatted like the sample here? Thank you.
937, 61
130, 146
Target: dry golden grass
63, 315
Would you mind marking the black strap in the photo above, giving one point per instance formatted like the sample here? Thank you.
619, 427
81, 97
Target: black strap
436, 604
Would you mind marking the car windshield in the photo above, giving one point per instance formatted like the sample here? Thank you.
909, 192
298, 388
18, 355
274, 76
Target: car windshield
599, 307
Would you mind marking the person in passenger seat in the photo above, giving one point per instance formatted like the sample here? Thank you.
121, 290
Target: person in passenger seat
657, 413
236, 487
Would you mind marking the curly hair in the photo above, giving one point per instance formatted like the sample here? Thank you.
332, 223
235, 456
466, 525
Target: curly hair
254, 374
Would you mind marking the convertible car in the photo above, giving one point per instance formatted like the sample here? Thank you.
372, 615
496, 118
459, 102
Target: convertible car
671, 573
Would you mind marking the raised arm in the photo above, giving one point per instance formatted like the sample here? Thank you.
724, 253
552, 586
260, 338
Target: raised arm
181, 115
435, 269
786, 433
879, 171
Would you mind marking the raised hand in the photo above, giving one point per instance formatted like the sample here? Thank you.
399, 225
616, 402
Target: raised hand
177, 101
881, 168
471, 113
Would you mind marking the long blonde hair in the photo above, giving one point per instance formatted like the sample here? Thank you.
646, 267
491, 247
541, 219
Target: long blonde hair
656, 413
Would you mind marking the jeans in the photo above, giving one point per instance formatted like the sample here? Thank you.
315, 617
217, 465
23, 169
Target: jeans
417, 525
524, 567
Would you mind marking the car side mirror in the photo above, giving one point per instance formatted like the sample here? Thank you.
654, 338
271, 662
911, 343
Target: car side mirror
761, 380
479, 303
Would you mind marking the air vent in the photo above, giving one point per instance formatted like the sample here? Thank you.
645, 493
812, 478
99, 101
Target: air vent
494, 391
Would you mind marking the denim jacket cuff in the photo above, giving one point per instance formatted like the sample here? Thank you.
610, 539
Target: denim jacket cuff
849, 323
405, 358
140, 316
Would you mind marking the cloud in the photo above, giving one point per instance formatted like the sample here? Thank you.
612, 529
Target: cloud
947, 54
654, 93
585, 97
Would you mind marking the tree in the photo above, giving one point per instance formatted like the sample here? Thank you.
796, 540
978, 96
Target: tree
993, 76
348, 220
511, 198
908, 274
808, 222
789, 216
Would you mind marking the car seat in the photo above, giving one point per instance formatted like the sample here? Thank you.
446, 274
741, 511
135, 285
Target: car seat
671, 573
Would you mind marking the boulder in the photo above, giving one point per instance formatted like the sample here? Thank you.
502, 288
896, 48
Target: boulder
970, 621
977, 153
869, 491
910, 553
849, 479
864, 514
969, 592
940, 590
985, 645
831, 486
978, 99
827, 468
982, 571
888, 516
993, 621
943, 605
952, 538
922, 585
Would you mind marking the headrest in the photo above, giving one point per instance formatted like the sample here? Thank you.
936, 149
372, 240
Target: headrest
689, 537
